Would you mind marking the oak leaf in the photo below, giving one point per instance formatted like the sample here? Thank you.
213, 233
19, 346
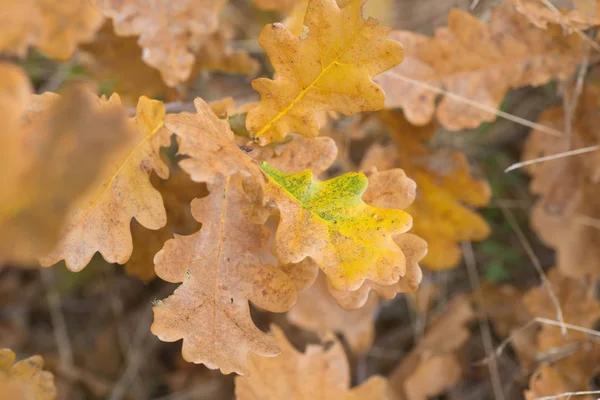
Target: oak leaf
478, 61
329, 69
317, 310
578, 369
219, 275
100, 221
445, 190
170, 32
319, 373
329, 222
389, 189
568, 187
54, 27
280, 5
25, 379
52, 149
433, 365
209, 144
177, 193
117, 61
583, 14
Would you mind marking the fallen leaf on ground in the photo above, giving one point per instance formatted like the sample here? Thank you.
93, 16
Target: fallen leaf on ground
209, 144
54, 27
329, 222
329, 69
170, 32
568, 187
177, 193
445, 190
116, 62
318, 373
478, 61
100, 221
25, 379
317, 310
433, 366
52, 149
219, 275
583, 15
573, 359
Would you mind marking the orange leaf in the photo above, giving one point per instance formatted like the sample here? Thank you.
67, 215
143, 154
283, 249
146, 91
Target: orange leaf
210, 310
478, 61
319, 373
583, 15
330, 68
25, 379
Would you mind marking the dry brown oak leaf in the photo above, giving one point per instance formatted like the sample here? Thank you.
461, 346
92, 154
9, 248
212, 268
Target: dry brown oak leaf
170, 31
52, 149
316, 310
319, 373
100, 221
219, 275
445, 190
177, 193
55, 27
582, 14
576, 369
433, 366
25, 379
569, 187
477, 61
208, 143
117, 61
329, 68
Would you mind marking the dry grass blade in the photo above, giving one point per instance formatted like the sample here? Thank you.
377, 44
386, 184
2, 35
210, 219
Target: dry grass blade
553, 157
492, 110
569, 394
579, 32
536, 263
484, 324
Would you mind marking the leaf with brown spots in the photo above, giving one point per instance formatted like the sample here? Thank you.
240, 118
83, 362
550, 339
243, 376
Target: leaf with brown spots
329, 69
25, 379
478, 61
100, 220
219, 275
319, 373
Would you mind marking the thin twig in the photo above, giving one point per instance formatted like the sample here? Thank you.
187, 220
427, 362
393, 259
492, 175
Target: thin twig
472, 103
570, 153
569, 394
536, 263
588, 221
484, 325
59, 325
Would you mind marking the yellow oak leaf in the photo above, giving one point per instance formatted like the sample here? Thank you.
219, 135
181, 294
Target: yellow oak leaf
317, 310
25, 379
177, 193
478, 61
319, 373
331, 68
209, 144
100, 220
329, 222
445, 190
219, 275
55, 27
281, 5
170, 31
52, 149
